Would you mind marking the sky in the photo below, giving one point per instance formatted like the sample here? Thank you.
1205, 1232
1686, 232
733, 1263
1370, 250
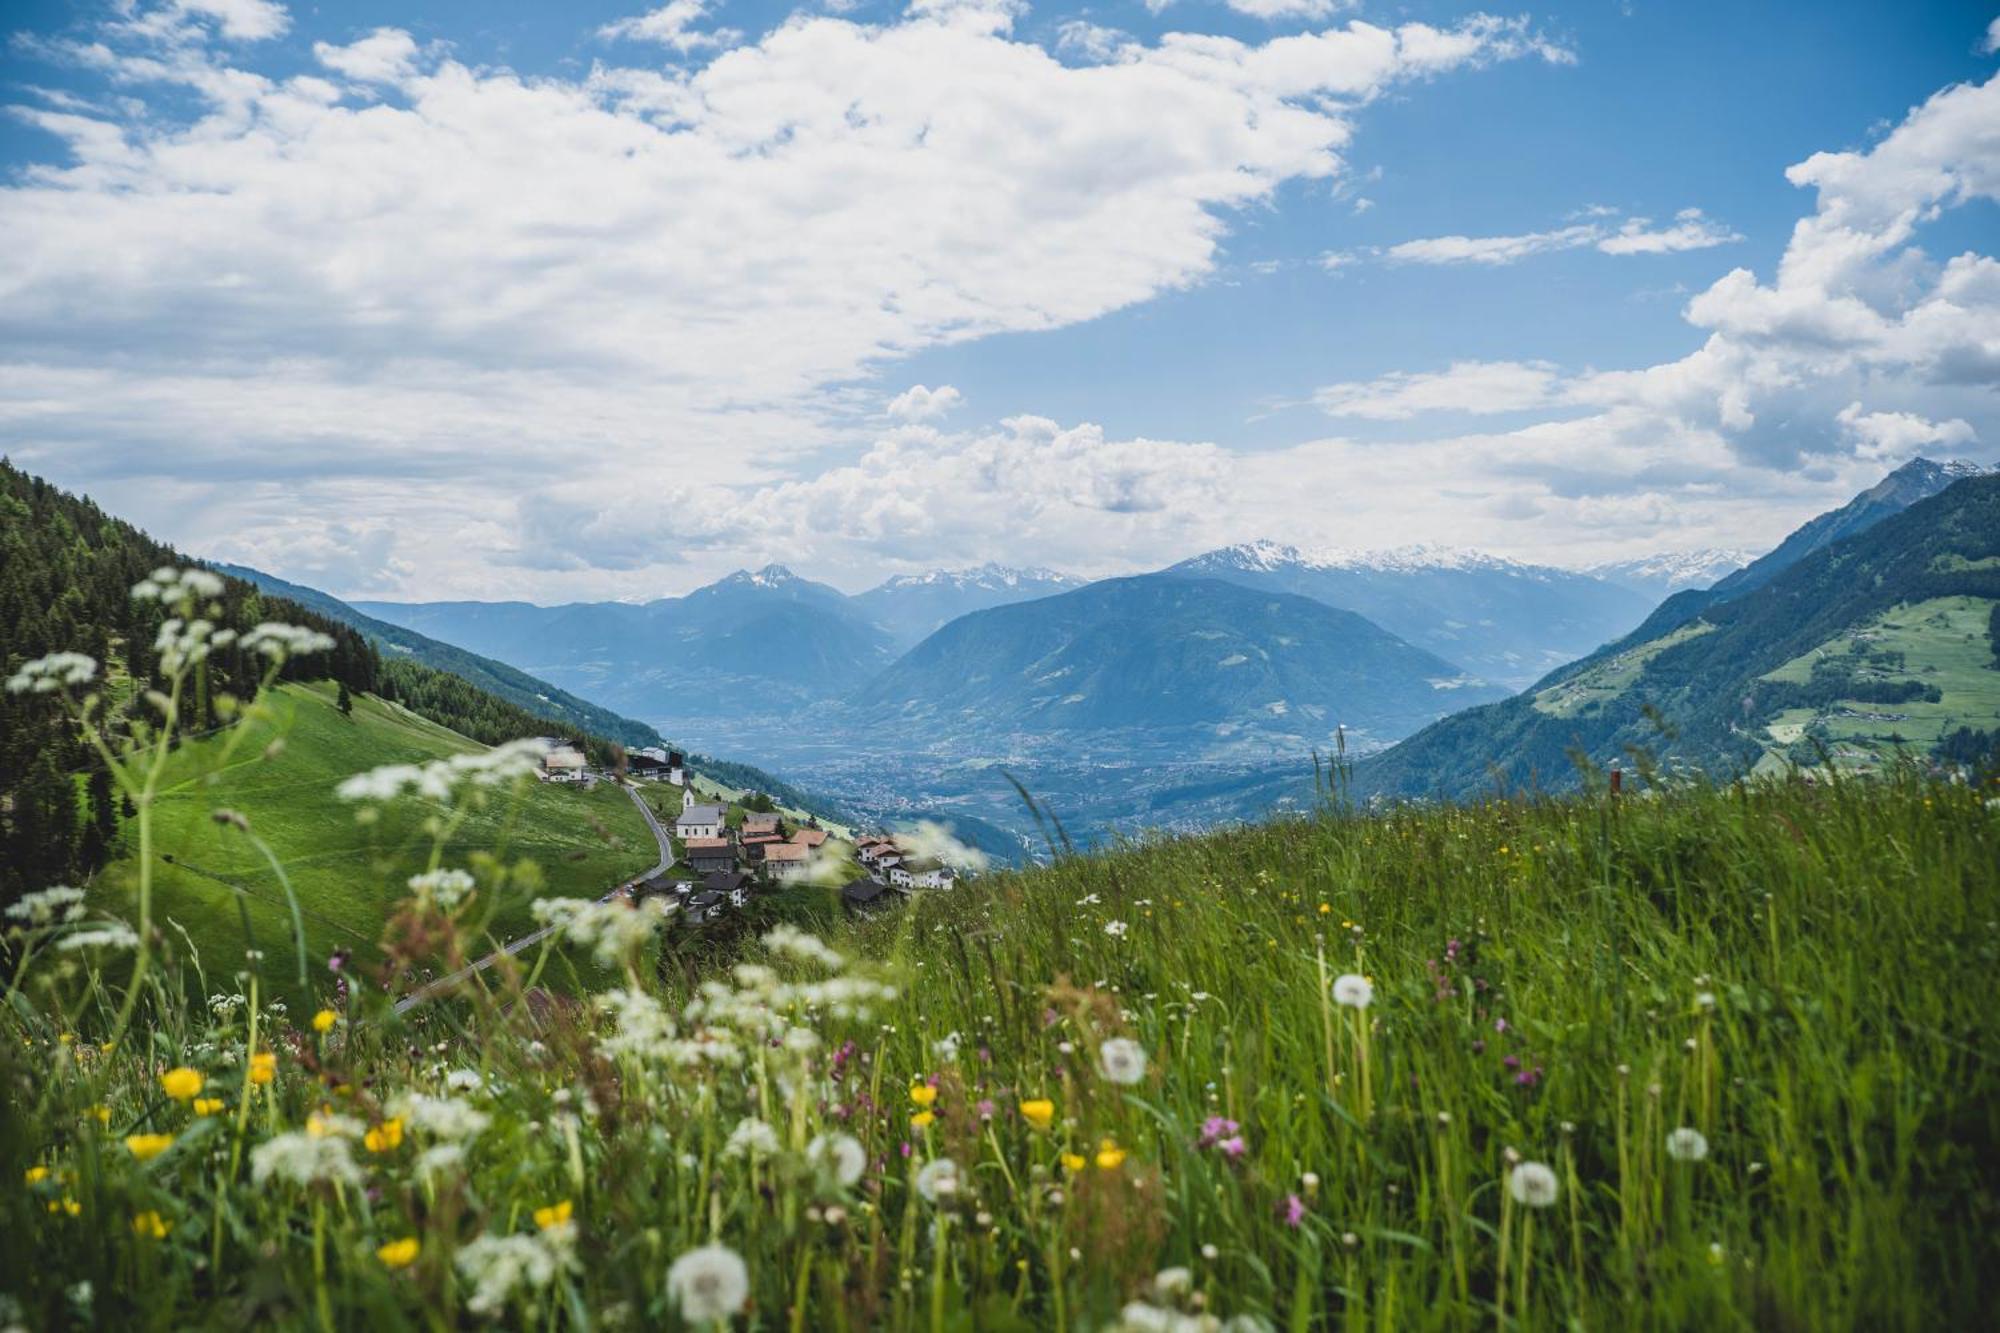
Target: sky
498, 299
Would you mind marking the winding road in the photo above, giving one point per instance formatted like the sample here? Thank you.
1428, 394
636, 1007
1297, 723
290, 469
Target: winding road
432, 989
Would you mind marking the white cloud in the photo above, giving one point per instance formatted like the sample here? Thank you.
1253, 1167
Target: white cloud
1690, 230
918, 403
670, 25
1897, 437
387, 55
1468, 386
1272, 11
1089, 40
240, 20
623, 279
1991, 42
1489, 249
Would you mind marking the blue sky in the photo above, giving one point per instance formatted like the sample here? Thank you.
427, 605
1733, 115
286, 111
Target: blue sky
508, 299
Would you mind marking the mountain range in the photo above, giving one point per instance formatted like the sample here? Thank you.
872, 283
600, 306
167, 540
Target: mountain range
1190, 664
1872, 631
1659, 576
1497, 619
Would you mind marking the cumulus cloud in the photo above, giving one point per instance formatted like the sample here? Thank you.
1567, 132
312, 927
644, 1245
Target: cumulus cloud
406, 267
1861, 352
1275, 10
919, 403
670, 25
387, 55
1690, 230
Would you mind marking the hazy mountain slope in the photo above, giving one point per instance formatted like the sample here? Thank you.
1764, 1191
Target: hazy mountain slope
544, 700
1501, 620
1165, 655
755, 642
1916, 480
1860, 631
912, 606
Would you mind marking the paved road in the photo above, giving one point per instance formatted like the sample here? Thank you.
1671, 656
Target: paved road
432, 989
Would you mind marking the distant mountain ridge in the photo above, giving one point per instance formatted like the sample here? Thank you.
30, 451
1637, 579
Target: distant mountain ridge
1667, 572
1502, 620
1880, 634
1177, 661
911, 606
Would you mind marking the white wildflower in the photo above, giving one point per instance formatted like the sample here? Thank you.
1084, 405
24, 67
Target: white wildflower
439, 1117
614, 930
1687, 1145
709, 1284
497, 1265
1171, 1282
1116, 929
751, 1135
440, 778
1353, 990
840, 1155
444, 888
50, 673
304, 1158
279, 641
938, 1178
39, 909
465, 1080
439, 1160
1122, 1060
116, 935
946, 1047
1533, 1185
796, 942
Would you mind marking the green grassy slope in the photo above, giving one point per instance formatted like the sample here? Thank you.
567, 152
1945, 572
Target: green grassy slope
1729, 692
345, 872
1804, 975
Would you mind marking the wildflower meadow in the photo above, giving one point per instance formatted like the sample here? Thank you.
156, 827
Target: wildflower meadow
1700, 1058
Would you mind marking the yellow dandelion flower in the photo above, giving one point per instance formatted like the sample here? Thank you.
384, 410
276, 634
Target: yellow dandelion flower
384, 1137
66, 1205
207, 1105
923, 1119
400, 1253
923, 1094
103, 1114
35, 1175
1073, 1161
263, 1067
1325, 908
324, 1020
554, 1215
150, 1225
146, 1147
181, 1084
1039, 1112
1109, 1156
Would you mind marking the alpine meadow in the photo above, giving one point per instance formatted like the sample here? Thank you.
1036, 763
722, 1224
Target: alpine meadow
990, 666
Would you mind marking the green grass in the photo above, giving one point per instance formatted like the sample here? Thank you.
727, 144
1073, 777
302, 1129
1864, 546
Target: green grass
1942, 642
1611, 678
347, 873
1804, 974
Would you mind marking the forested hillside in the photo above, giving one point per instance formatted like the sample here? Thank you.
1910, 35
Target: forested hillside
1869, 646
399, 644
67, 570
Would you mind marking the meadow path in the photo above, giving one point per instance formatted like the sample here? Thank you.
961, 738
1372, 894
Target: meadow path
431, 989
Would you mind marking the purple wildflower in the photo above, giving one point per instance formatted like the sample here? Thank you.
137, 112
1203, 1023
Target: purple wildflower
1293, 1210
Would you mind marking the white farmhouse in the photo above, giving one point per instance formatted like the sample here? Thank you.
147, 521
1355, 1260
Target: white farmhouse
699, 821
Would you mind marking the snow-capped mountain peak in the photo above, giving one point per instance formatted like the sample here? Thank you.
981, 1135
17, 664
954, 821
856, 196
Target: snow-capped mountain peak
1270, 555
988, 575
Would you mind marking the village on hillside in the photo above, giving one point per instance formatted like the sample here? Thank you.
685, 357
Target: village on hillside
731, 845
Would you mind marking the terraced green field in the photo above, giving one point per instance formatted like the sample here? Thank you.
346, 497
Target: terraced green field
1609, 679
1942, 642
344, 870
